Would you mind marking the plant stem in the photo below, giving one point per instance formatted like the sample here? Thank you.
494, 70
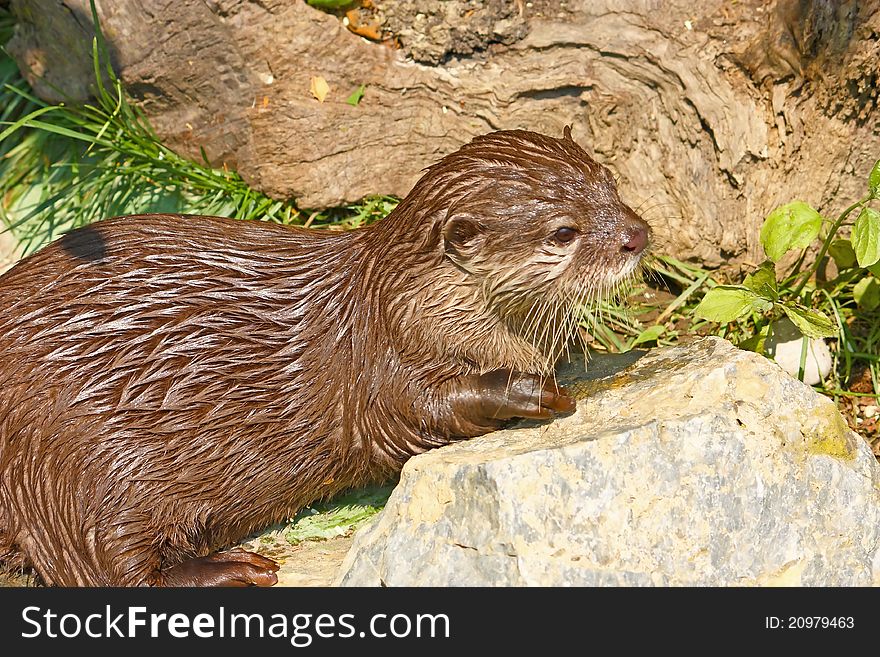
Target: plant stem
827, 243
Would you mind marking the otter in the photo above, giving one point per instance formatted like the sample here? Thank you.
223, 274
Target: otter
173, 383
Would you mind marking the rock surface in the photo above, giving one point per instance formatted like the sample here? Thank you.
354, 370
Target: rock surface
711, 115
432, 31
696, 465
310, 563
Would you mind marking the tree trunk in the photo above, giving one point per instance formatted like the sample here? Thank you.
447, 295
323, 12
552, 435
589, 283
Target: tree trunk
710, 113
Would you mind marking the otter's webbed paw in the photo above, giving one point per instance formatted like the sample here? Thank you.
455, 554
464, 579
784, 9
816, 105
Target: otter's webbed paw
505, 395
233, 568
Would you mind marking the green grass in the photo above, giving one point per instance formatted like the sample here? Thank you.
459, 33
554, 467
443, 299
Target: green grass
64, 166
339, 517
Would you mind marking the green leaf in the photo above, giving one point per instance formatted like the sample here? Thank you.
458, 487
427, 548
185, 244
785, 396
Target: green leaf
874, 180
867, 293
649, 334
724, 303
756, 342
762, 281
356, 96
875, 269
843, 254
811, 323
791, 226
866, 237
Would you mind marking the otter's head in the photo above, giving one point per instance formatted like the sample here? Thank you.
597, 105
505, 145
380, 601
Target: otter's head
534, 218
527, 231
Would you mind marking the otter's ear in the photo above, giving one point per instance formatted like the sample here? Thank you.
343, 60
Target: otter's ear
461, 235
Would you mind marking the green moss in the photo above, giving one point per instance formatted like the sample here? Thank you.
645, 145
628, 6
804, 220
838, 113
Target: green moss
623, 375
830, 435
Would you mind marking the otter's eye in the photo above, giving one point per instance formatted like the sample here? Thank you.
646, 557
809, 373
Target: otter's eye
565, 235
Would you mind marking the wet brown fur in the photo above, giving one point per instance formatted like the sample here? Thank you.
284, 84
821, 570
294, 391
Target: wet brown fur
171, 384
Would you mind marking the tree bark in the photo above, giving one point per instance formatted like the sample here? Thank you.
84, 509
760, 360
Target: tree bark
710, 113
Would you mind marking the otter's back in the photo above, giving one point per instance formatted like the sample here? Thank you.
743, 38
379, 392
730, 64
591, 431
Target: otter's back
127, 336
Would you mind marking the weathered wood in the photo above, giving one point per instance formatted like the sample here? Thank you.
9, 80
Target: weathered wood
711, 113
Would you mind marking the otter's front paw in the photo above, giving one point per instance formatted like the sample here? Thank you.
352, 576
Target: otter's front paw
508, 395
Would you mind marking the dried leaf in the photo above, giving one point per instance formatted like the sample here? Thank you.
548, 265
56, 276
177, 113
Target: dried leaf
319, 88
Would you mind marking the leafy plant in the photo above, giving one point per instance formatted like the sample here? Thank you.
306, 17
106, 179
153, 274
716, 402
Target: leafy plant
766, 294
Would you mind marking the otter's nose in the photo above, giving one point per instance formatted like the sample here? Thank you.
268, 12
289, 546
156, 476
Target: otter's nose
638, 240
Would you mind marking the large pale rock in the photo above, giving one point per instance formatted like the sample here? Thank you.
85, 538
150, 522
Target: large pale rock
697, 465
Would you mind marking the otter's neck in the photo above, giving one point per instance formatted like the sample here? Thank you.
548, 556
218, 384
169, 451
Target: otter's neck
438, 317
